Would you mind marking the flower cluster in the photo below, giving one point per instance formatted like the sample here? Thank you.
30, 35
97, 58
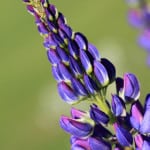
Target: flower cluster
139, 17
82, 75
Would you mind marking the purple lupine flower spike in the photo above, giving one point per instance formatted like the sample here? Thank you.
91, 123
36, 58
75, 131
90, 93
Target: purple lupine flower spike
76, 127
131, 87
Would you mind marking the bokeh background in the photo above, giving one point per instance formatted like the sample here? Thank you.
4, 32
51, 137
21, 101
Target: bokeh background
29, 104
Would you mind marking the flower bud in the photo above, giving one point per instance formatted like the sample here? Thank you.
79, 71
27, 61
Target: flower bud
78, 114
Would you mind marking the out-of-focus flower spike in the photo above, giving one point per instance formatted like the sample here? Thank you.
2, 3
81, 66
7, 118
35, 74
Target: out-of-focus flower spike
90, 84
56, 74
139, 141
98, 143
135, 18
123, 136
97, 115
78, 114
80, 144
118, 106
73, 49
53, 56
131, 87
94, 52
49, 42
76, 67
65, 73
136, 115
145, 125
86, 62
144, 39
81, 41
119, 86
79, 87
67, 93
61, 20
76, 127
63, 55
101, 73
110, 69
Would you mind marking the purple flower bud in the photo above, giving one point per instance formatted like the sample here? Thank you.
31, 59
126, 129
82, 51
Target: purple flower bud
79, 87
61, 20
144, 39
53, 10
67, 30
52, 26
63, 55
90, 84
145, 125
63, 36
101, 73
80, 144
138, 141
85, 60
135, 18
118, 106
49, 42
94, 52
73, 49
136, 115
123, 136
98, 144
56, 74
78, 114
110, 69
53, 56
119, 85
76, 127
97, 115
131, 87
67, 93
65, 73
81, 41
42, 29
30, 9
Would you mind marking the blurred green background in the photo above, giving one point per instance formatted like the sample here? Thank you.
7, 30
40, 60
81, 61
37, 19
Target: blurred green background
29, 104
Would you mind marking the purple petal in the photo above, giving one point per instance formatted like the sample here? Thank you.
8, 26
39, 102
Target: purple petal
56, 74
61, 20
138, 141
53, 10
131, 87
123, 136
76, 127
119, 85
98, 144
81, 41
97, 115
67, 30
79, 87
90, 84
77, 114
30, 9
101, 73
118, 106
146, 145
67, 93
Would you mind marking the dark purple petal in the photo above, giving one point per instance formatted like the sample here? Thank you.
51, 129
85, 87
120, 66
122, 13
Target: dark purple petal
81, 41
42, 29
56, 74
98, 116
67, 30
118, 106
138, 141
144, 39
52, 26
136, 115
110, 69
79, 87
90, 84
119, 85
76, 127
63, 36
123, 136
85, 60
73, 49
67, 93
63, 55
131, 87
94, 52
98, 144
77, 114
145, 125
65, 73
61, 20
53, 10
101, 73
76, 67
53, 56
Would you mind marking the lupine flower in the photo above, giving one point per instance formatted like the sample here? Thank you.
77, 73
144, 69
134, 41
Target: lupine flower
83, 76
